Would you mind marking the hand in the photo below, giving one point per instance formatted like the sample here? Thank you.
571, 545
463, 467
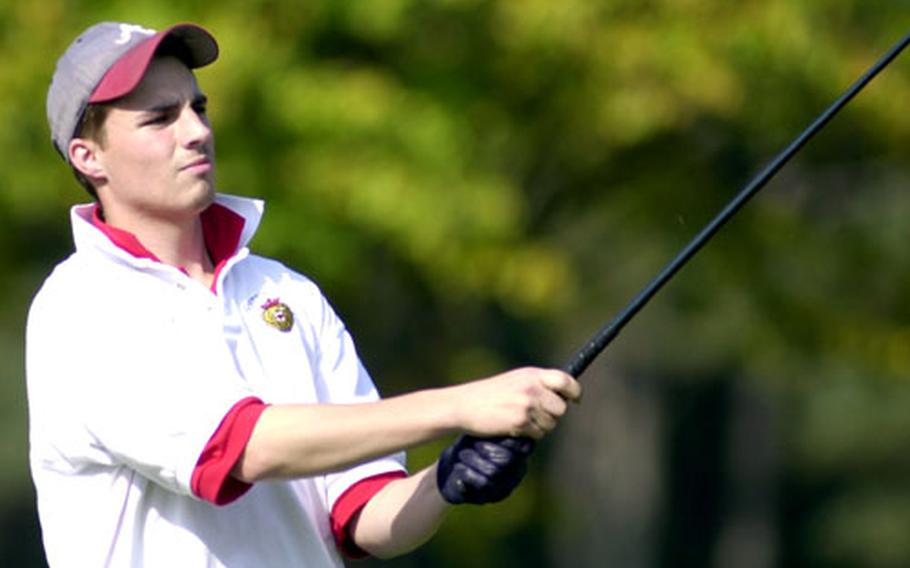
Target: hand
482, 470
526, 402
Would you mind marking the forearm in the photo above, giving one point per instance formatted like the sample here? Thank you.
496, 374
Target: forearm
291, 441
401, 517
301, 440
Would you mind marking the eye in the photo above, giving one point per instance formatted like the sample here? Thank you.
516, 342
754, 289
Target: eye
201, 107
157, 119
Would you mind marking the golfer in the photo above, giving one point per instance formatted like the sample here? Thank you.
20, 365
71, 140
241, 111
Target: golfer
194, 404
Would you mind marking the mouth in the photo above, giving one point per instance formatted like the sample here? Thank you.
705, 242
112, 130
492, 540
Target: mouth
200, 165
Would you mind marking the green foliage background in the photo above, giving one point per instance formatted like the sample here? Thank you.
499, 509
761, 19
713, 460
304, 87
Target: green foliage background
479, 184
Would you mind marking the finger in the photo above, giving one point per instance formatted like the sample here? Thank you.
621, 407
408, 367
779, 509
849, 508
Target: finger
495, 453
480, 464
542, 421
554, 405
469, 478
563, 384
462, 485
533, 430
523, 446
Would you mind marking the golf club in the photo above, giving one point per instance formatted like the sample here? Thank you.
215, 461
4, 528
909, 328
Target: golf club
583, 358
586, 355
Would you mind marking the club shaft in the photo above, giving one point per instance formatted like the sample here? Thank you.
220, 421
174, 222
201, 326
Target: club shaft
586, 355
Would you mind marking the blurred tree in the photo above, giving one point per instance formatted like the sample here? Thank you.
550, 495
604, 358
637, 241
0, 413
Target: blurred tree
481, 183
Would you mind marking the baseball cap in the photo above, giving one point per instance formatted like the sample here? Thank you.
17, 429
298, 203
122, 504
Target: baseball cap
107, 61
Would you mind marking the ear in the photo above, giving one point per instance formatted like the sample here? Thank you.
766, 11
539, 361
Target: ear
83, 155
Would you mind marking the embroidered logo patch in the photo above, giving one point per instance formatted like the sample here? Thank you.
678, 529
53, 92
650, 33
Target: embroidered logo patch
278, 315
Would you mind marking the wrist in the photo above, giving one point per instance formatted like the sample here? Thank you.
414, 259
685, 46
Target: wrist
447, 410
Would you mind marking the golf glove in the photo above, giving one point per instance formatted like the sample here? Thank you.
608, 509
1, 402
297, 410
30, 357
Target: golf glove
482, 470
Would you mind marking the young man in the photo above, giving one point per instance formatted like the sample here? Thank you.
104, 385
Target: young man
194, 404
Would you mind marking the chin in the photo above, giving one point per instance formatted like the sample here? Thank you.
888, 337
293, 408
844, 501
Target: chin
204, 196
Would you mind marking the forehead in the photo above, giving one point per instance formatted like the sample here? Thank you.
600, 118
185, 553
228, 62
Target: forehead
167, 79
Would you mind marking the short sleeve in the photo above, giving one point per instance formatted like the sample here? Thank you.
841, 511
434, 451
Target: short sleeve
135, 387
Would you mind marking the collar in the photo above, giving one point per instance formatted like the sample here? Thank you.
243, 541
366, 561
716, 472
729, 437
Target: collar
228, 225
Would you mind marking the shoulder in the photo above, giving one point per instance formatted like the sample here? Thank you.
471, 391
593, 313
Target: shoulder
264, 272
63, 288
86, 291
266, 279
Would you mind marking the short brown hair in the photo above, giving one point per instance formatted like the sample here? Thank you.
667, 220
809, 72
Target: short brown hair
91, 127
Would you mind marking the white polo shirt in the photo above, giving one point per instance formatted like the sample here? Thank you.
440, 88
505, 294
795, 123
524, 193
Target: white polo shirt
132, 366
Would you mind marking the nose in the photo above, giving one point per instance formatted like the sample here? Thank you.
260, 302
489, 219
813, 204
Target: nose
194, 128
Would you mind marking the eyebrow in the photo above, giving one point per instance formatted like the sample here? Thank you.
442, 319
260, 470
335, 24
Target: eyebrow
172, 105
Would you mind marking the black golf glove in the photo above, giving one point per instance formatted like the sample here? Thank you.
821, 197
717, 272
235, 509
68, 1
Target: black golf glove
482, 470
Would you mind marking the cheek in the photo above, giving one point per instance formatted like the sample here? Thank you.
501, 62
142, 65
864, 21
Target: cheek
142, 156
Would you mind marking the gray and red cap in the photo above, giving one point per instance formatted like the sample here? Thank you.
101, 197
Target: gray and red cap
107, 62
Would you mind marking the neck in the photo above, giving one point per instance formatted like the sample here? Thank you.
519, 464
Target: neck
178, 242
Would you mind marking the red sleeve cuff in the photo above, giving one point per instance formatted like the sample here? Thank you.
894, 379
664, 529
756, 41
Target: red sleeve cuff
211, 480
350, 504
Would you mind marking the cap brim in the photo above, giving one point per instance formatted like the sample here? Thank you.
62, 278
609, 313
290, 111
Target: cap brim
126, 73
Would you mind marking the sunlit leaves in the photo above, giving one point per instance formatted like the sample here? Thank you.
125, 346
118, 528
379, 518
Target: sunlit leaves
501, 170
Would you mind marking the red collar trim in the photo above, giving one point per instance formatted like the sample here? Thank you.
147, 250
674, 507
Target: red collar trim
221, 229
123, 239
